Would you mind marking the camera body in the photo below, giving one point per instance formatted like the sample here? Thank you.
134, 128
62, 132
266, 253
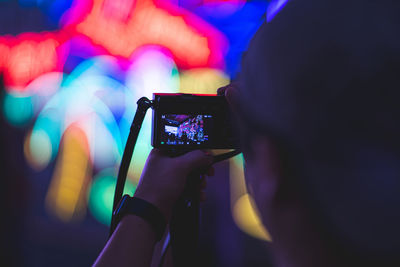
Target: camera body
188, 122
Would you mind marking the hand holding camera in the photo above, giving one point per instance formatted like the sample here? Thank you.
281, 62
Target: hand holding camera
163, 178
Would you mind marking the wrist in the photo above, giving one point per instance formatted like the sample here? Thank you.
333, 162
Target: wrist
139, 207
163, 205
130, 220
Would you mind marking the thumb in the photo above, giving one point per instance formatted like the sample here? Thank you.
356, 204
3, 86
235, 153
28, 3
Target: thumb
232, 95
194, 160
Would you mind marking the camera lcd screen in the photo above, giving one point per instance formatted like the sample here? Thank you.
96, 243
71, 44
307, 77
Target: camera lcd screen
183, 122
186, 129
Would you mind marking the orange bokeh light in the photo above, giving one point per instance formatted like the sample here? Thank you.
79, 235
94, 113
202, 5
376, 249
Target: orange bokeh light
66, 198
192, 42
119, 27
27, 56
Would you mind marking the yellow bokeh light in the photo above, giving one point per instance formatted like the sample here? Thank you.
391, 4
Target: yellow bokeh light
202, 81
247, 219
66, 198
243, 208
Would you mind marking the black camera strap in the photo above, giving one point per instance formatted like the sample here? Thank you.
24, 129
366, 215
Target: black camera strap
143, 105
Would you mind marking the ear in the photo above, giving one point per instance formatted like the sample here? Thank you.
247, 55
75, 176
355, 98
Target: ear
263, 172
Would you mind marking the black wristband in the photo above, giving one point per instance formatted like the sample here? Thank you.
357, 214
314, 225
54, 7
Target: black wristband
143, 209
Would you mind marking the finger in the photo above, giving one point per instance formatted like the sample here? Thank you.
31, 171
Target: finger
221, 90
207, 151
211, 171
232, 95
155, 152
194, 160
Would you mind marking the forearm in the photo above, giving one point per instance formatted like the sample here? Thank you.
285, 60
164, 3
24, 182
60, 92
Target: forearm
162, 182
131, 244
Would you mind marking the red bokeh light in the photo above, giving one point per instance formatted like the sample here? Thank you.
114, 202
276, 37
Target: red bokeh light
4, 52
27, 56
123, 28
119, 28
224, 1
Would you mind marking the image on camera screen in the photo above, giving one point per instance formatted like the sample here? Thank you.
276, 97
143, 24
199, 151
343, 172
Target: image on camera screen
179, 129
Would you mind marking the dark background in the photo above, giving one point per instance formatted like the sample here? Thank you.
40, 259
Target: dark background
32, 237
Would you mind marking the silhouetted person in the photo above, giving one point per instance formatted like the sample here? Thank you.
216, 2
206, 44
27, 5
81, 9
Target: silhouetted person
318, 106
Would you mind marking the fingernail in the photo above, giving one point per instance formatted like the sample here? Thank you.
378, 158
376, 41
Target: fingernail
208, 153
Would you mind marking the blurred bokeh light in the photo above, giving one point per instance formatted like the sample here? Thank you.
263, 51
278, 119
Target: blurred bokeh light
73, 89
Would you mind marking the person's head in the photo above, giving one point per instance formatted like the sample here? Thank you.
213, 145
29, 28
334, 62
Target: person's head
319, 100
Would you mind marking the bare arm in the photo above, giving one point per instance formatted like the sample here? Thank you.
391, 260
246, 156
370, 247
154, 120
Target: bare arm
162, 181
131, 244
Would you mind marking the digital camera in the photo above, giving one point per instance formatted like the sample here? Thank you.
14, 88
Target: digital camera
187, 122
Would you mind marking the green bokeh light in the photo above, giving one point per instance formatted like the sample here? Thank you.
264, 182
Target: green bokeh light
101, 195
18, 109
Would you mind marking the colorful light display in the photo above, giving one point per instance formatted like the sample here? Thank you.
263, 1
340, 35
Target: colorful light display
76, 89
122, 28
27, 56
66, 197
